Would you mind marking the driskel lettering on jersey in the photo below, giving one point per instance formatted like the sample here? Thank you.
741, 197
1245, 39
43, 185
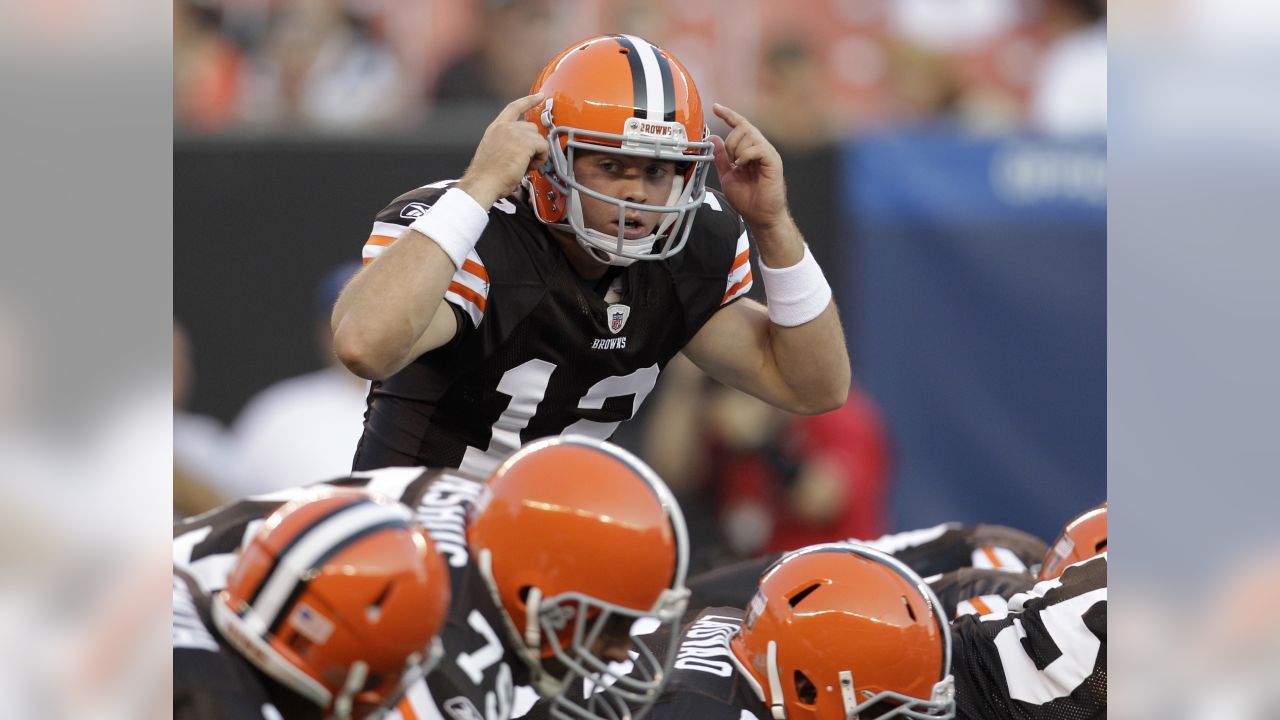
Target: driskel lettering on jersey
705, 643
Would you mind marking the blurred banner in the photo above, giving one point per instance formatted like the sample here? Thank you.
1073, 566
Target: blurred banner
977, 302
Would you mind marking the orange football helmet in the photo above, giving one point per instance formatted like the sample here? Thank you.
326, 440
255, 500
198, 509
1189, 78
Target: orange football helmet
624, 95
339, 597
1082, 538
577, 540
845, 631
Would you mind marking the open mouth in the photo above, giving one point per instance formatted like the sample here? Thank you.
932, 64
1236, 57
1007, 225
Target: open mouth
631, 229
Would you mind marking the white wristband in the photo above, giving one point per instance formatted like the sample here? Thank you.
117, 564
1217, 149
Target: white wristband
795, 294
454, 223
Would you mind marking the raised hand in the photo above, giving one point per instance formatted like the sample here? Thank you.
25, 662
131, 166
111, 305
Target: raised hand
510, 148
750, 172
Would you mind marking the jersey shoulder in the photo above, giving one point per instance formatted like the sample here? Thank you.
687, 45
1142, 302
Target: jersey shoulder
413, 204
717, 237
210, 680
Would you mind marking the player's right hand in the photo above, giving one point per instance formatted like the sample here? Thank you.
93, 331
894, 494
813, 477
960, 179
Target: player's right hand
510, 148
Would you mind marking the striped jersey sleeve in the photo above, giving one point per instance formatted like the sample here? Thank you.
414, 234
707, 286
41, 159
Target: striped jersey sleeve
469, 287
739, 281
380, 238
995, 606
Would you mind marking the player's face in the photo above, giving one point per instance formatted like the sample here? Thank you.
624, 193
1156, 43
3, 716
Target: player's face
640, 180
614, 640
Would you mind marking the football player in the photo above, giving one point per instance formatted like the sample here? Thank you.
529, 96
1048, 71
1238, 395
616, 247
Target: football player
331, 610
983, 591
1042, 658
833, 631
544, 291
994, 551
551, 560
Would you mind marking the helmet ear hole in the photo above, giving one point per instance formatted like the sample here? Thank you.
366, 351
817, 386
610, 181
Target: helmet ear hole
524, 593
806, 691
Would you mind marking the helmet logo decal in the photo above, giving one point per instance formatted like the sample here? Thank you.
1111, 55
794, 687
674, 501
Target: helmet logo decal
311, 624
617, 315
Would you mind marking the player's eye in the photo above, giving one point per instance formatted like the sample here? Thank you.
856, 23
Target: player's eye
657, 172
609, 166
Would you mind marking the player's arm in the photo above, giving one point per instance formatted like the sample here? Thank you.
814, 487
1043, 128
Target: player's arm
793, 354
393, 311
802, 369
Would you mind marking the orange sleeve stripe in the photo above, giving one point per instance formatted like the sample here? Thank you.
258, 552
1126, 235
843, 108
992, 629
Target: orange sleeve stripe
406, 709
991, 555
366, 261
981, 607
736, 288
476, 269
382, 240
468, 294
740, 260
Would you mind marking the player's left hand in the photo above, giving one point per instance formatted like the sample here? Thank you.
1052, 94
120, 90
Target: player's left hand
750, 171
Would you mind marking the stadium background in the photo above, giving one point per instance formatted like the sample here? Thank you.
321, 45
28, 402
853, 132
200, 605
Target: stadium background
959, 212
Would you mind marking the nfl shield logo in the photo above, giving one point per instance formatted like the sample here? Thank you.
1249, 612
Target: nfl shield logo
617, 315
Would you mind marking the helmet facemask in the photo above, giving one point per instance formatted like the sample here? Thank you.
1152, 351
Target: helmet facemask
610, 690
664, 141
560, 632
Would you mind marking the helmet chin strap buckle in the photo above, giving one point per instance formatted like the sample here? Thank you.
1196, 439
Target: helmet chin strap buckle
342, 705
848, 695
776, 703
532, 630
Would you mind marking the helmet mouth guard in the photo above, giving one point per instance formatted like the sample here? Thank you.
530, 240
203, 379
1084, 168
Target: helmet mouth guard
665, 141
609, 691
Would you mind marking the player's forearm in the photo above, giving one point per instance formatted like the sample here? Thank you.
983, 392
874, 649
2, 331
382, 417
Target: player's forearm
810, 356
812, 362
387, 307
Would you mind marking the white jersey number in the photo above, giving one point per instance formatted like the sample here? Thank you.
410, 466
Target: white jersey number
1079, 646
527, 385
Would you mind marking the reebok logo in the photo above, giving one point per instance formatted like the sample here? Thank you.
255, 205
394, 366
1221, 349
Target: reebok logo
414, 210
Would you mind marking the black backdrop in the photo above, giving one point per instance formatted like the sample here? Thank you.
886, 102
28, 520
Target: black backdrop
257, 222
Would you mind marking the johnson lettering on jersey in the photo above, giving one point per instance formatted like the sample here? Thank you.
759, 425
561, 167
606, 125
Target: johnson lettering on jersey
541, 351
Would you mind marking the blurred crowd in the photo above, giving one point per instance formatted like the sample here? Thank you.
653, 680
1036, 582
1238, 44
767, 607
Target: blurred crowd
804, 70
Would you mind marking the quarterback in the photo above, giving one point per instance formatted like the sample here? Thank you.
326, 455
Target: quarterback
544, 291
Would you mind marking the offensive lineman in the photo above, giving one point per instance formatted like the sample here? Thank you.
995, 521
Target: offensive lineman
849, 631
331, 610
991, 553
548, 573
833, 631
544, 291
